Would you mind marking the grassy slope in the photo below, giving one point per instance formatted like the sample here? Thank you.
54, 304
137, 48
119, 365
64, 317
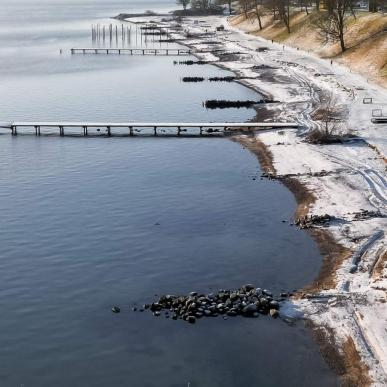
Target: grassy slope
366, 39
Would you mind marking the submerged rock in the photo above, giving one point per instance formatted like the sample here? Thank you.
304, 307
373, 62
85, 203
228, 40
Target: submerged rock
116, 309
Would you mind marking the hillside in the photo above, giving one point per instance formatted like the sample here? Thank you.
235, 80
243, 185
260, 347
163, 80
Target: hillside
366, 39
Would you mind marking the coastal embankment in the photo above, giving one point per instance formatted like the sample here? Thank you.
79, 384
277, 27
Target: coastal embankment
365, 37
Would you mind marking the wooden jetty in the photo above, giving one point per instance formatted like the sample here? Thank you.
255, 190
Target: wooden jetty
142, 128
379, 120
133, 51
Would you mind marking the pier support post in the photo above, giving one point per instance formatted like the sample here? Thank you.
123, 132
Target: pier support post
85, 132
131, 131
155, 131
109, 132
14, 130
178, 130
72, 51
61, 131
201, 131
36, 130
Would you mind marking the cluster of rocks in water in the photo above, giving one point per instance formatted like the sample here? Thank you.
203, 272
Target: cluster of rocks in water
314, 220
246, 301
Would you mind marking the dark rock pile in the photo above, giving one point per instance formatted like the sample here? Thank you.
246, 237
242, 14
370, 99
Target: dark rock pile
268, 175
247, 301
224, 104
190, 62
314, 220
193, 79
221, 79
261, 67
366, 214
211, 79
155, 33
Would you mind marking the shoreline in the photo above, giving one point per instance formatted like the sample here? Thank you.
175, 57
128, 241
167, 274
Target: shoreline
347, 364
361, 358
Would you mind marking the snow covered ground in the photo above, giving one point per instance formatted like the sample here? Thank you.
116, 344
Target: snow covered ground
353, 178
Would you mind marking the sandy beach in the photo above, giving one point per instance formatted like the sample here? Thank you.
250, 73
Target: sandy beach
346, 305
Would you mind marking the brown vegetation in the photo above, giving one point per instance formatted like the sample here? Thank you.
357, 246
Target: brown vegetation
380, 265
346, 363
365, 38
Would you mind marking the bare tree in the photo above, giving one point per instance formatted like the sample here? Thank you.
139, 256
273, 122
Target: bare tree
228, 3
331, 24
258, 11
201, 4
373, 5
184, 3
284, 12
331, 116
246, 7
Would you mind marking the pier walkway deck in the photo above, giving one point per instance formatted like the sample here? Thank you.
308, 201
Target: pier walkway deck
141, 128
133, 51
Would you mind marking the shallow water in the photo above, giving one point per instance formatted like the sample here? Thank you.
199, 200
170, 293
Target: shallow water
87, 223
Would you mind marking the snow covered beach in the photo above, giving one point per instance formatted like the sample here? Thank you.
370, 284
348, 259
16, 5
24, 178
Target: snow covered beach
346, 181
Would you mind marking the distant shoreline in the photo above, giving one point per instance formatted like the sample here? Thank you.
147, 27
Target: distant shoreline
124, 16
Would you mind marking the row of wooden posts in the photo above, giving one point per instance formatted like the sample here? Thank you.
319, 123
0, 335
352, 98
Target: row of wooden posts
101, 33
155, 131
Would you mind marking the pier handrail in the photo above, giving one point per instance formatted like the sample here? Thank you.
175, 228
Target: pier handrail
157, 124
5, 125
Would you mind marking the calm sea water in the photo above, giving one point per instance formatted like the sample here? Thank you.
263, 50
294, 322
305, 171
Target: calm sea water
90, 223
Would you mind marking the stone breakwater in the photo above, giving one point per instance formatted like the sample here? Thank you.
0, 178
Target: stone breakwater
247, 301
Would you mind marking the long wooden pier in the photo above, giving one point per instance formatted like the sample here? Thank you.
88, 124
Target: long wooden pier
141, 128
133, 51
